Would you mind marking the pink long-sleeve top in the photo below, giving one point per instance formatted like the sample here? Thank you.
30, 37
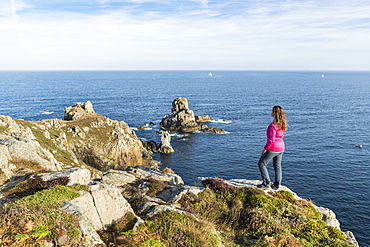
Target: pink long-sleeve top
275, 139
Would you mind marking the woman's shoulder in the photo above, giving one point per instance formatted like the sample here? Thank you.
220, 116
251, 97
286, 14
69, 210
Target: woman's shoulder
272, 125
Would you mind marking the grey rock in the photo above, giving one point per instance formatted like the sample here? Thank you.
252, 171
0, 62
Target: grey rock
110, 204
165, 146
351, 237
91, 237
206, 118
150, 146
77, 175
86, 206
4, 155
174, 194
88, 107
52, 123
15, 129
46, 134
151, 209
142, 172
22, 149
118, 178
144, 207
329, 217
160, 208
214, 130
63, 240
78, 111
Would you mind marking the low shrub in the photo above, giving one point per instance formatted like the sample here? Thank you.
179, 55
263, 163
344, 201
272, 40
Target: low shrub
182, 230
246, 216
218, 185
49, 197
34, 218
156, 186
33, 185
171, 229
145, 235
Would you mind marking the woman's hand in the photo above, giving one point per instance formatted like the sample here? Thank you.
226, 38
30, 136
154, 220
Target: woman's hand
263, 151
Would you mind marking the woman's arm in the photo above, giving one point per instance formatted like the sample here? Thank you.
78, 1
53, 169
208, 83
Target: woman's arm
270, 133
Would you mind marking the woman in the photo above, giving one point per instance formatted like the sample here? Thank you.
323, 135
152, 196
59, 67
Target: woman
273, 149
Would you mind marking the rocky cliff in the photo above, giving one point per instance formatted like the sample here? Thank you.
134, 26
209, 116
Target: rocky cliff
84, 138
88, 181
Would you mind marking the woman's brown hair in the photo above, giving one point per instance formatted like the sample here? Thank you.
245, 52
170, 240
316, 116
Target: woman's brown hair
279, 118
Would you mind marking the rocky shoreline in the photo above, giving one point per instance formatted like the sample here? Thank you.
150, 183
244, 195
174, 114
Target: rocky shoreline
112, 176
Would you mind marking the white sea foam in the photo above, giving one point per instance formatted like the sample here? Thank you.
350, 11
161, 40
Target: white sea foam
47, 112
221, 121
177, 135
142, 128
205, 104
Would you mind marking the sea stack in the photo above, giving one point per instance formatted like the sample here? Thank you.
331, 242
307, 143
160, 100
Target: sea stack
182, 118
165, 146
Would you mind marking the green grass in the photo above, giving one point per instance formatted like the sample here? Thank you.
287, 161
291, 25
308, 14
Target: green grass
250, 217
37, 216
172, 229
49, 197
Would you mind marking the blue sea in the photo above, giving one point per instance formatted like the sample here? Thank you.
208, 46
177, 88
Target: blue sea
328, 114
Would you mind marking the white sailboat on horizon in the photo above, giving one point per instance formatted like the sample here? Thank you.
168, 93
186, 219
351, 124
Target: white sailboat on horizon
210, 73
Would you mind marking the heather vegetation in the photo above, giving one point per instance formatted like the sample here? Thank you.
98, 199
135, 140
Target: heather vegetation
36, 216
221, 214
155, 187
237, 217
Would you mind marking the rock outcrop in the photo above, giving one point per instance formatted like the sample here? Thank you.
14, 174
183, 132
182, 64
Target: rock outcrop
165, 146
150, 146
182, 119
86, 139
201, 119
90, 236
103, 205
79, 110
76, 175
214, 130
19, 149
146, 173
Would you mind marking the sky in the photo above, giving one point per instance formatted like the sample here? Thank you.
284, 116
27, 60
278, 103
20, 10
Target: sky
184, 35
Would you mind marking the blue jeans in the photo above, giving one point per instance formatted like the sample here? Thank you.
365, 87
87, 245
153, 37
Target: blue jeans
276, 160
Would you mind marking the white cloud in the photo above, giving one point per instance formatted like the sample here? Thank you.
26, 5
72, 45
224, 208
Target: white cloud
253, 35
